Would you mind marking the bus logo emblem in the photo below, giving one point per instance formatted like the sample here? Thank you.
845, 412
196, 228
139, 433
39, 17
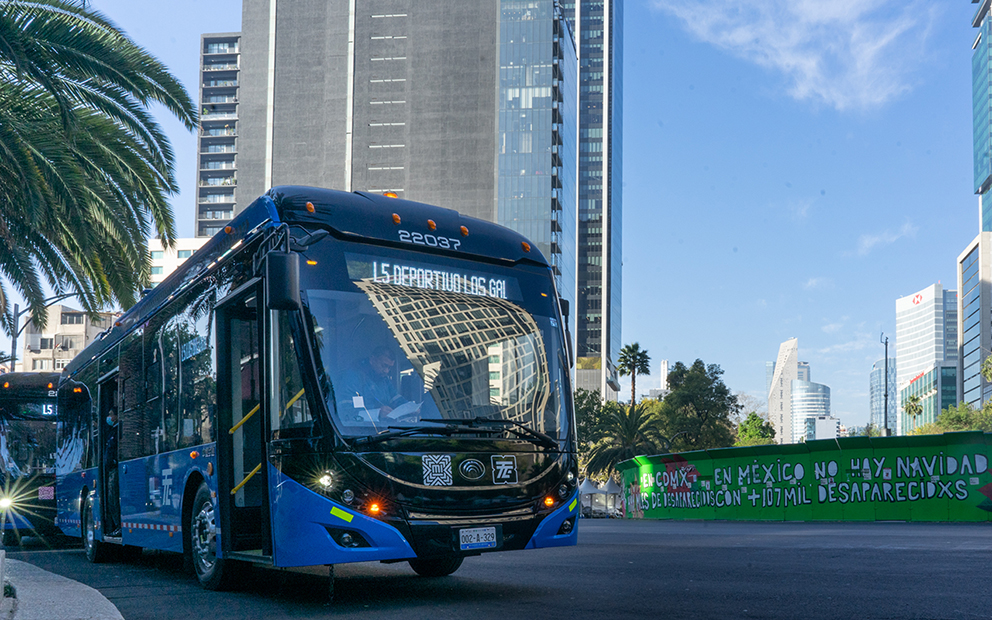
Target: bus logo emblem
437, 469
471, 469
504, 469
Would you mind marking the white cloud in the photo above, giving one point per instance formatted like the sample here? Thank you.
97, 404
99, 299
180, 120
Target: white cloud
849, 54
860, 342
832, 328
813, 283
868, 242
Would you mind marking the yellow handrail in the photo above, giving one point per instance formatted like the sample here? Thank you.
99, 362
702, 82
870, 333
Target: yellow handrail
247, 478
245, 419
294, 399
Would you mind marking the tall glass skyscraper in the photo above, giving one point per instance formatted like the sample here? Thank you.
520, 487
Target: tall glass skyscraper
809, 401
876, 399
598, 25
975, 318
981, 84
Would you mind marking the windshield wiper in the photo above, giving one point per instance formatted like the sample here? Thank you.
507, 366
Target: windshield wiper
392, 432
519, 429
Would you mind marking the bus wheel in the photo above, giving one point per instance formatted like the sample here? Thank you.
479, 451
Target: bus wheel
435, 567
214, 573
96, 551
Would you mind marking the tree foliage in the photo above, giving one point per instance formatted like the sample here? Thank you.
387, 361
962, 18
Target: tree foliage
913, 407
633, 361
697, 413
84, 168
755, 431
628, 432
962, 417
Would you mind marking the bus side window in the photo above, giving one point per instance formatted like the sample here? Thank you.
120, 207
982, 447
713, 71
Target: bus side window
291, 415
198, 368
170, 384
136, 439
153, 383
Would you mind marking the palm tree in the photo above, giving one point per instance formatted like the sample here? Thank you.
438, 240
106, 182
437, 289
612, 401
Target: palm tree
84, 168
913, 407
628, 432
633, 361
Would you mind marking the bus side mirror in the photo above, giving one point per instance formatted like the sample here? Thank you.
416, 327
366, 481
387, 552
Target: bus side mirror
282, 281
563, 305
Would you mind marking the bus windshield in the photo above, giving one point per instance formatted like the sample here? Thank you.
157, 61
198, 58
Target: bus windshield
407, 338
27, 437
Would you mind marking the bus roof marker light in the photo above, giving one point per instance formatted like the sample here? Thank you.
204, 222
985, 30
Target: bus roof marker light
431, 225
310, 207
311, 262
228, 229
396, 219
6, 384
525, 246
464, 231
390, 194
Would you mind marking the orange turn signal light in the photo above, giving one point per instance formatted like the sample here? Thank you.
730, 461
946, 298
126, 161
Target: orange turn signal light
549, 501
374, 508
311, 262
49, 386
310, 207
77, 390
194, 454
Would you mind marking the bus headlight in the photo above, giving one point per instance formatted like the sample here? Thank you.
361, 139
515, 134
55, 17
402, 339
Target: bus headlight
348, 496
5, 503
326, 480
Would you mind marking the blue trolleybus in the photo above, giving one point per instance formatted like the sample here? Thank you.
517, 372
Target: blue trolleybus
27, 454
336, 377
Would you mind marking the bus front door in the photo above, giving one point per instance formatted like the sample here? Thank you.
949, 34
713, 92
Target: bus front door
242, 476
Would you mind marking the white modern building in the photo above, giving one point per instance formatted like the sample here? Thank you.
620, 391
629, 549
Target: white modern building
166, 260
792, 397
823, 427
926, 335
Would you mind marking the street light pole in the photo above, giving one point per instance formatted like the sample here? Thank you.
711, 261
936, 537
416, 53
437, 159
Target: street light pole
885, 409
15, 318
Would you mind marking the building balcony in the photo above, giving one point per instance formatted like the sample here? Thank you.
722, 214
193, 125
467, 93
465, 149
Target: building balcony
230, 66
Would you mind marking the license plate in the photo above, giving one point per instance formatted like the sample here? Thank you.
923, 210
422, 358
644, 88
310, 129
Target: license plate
477, 538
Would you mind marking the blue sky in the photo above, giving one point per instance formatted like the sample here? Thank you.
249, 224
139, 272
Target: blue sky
791, 167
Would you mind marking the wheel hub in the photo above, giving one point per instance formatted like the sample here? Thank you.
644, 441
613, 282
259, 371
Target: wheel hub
204, 537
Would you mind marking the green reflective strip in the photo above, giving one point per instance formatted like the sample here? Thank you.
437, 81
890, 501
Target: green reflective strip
571, 507
340, 514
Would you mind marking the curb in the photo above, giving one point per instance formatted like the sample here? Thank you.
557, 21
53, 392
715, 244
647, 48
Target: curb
41, 595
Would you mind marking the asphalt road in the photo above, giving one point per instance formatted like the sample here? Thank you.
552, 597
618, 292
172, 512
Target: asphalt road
620, 569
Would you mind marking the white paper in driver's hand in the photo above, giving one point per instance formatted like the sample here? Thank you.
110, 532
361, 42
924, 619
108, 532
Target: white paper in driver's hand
358, 402
404, 409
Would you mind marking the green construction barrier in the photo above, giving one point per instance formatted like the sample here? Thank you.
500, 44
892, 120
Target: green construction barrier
926, 478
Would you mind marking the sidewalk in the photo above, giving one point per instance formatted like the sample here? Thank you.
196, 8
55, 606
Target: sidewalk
42, 595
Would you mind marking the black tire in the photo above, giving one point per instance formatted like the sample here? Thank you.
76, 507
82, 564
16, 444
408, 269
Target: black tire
436, 567
212, 572
11, 538
97, 552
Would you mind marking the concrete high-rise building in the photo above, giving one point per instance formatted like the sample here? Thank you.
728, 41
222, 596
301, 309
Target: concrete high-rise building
216, 157
822, 427
877, 414
974, 319
598, 25
792, 396
67, 332
926, 336
785, 370
467, 105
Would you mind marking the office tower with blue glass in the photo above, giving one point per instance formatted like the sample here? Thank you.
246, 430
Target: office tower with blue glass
467, 105
878, 415
974, 267
793, 399
598, 26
